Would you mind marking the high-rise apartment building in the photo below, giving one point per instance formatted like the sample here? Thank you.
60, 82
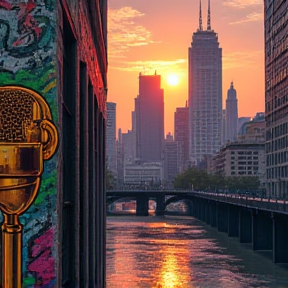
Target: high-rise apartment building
231, 114
149, 112
181, 134
111, 136
205, 93
276, 100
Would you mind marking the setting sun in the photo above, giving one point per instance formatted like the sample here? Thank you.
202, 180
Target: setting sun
173, 79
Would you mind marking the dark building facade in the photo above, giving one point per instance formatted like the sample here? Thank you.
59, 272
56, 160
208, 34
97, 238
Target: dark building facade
149, 112
58, 50
205, 93
276, 100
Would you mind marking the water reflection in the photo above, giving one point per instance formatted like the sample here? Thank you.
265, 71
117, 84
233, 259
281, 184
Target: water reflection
172, 252
172, 256
170, 274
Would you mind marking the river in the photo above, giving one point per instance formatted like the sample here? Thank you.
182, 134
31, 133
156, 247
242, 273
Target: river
179, 251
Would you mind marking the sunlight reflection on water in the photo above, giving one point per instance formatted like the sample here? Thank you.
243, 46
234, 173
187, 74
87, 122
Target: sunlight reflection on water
172, 252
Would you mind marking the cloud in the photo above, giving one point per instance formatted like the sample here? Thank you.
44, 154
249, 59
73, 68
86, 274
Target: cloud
149, 67
247, 59
255, 16
123, 31
242, 3
242, 59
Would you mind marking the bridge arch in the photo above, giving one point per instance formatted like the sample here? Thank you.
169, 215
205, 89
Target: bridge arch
112, 199
178, 198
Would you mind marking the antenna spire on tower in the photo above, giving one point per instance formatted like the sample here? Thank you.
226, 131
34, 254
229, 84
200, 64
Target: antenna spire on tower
209, 18
200, 18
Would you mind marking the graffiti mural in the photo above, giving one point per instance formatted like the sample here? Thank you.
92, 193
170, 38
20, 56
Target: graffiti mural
42, 262
25, 35
28, 57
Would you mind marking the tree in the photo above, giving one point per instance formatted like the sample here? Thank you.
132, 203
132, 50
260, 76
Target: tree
192, 178
217, 182
242, 183
110, 179
200, 180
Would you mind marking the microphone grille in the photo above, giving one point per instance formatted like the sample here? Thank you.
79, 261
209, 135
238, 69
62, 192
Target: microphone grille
16, 115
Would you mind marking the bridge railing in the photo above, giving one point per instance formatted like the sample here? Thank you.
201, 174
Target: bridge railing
246, 200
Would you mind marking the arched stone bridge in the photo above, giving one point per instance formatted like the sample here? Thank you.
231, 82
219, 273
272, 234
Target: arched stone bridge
260, 221
162, 198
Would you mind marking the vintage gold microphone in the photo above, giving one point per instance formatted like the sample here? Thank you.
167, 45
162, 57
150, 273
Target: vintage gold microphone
27, 137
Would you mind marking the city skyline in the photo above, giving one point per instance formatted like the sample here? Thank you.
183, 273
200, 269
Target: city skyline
138, 44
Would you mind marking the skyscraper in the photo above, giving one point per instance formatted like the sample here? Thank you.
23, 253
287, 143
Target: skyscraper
205, 92
231, 115
276, 100
111, 136
149, 112
181, 133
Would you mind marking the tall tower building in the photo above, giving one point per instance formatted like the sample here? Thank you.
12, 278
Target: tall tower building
276, 101
111, 137
149, 112
231, 115
181, 133
205, 92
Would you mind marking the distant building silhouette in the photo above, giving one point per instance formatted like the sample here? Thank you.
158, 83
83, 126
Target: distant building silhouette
181, 134
129, 144
143, 175
231, 115
205, 93
223, 125
111, 137
241, 121
149, 112
120, 159
253, 130
172, 157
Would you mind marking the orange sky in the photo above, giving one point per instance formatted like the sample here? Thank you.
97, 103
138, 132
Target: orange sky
149, 35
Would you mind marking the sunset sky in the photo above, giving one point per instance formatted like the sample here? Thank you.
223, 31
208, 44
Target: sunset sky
149, 35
